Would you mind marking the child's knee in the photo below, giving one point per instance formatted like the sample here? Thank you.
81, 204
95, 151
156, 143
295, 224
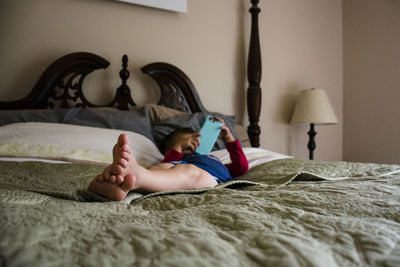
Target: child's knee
190, 170
199, 177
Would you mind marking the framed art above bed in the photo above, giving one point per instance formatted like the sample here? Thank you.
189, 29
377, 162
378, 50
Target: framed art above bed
171, 5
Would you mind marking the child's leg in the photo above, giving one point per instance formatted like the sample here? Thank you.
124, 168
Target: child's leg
178, 177
181, 176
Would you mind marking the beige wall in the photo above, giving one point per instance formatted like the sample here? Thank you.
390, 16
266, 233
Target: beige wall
39, 31
301, 44
302, 48
372, 80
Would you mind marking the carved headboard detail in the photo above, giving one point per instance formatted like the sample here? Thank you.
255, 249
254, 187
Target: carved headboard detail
177, 90
60, 85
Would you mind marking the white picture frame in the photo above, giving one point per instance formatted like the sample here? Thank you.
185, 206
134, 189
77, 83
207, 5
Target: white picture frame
171, 5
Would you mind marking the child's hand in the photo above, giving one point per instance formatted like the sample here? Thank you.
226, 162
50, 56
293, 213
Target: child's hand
226, 134
187, 143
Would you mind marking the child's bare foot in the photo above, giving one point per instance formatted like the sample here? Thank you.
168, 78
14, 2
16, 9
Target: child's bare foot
106, 176
121, 155
118, 178
124, 161
113, 191
115, 172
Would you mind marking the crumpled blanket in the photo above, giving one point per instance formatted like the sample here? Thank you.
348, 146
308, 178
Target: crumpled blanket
285, 212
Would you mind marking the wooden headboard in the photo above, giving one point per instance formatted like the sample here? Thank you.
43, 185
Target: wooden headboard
60, 85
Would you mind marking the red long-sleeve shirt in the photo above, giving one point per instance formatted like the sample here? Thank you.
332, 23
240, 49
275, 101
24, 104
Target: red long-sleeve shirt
237, 167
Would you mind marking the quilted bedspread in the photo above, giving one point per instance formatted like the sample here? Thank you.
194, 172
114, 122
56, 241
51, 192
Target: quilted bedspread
285, 212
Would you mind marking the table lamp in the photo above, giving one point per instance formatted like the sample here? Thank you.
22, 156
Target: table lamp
313, 107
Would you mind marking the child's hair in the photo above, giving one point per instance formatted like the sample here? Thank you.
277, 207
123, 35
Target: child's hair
169, 141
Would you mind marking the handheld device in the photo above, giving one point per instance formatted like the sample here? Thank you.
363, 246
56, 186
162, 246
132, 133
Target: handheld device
209, 131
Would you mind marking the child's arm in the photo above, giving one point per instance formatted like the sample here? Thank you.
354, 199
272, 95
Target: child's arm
239, 165
186, 143
172, 155
226, 134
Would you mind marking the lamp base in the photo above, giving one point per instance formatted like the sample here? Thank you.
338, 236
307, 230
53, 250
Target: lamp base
311, 143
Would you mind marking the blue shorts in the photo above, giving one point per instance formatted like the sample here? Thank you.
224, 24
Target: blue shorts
219, 180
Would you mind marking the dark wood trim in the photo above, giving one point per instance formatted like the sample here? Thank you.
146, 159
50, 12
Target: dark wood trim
254, 71
60, 85
66, 73
123, 99
177, 90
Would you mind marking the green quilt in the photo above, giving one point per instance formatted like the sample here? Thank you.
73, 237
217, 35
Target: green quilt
285, 212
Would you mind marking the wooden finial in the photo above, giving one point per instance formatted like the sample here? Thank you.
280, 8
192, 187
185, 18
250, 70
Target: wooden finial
123, 97
124, 73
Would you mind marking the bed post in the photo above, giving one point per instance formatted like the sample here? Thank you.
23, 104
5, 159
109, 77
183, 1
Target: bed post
254, 77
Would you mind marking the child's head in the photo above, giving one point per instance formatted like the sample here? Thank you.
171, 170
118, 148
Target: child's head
170, 140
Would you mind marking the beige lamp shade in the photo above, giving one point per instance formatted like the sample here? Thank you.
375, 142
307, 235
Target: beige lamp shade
313, 106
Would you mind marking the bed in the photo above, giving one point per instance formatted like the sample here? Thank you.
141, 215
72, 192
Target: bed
284, 211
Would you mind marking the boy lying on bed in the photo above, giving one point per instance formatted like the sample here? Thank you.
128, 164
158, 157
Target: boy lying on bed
180, 169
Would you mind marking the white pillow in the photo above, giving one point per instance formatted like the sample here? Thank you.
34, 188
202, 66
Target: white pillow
255, 156
71, 143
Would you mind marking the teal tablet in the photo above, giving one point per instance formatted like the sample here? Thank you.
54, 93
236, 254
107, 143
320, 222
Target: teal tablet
209, 131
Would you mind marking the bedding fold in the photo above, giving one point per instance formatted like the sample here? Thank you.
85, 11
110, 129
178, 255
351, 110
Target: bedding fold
285, 212
69, 181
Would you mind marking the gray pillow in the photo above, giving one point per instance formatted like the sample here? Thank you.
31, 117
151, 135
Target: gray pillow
130, 120
162, 128
32, 115
137, 120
